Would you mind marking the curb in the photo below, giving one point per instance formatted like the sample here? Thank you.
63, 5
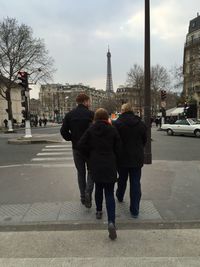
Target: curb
29, 141
125, 225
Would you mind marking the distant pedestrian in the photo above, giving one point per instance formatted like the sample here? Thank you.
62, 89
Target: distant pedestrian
133, 135
101, 143
40, 122
6, 123
36, 121
45, 122
74, 125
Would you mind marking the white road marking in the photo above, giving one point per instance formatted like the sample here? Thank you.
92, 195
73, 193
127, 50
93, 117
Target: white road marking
52, 159
63, 165
59, 146
57, 149
54, 153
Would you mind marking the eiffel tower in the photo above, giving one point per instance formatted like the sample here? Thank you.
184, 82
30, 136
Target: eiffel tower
109, 82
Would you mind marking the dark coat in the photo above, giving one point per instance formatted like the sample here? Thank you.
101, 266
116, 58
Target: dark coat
101, 144
133, 136
75, 124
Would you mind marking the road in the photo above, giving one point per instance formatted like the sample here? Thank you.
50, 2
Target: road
164, 147
43, 173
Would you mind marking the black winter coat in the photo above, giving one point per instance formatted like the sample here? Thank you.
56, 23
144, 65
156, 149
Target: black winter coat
133, 136
75, 124
101, 144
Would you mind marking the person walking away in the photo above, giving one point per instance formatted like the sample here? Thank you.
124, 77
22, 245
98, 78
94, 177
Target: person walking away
74, 125
133, 135
101, 144
45, 122
6, 123
40, 122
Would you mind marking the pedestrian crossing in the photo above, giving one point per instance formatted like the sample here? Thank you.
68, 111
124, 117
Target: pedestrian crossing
55, 154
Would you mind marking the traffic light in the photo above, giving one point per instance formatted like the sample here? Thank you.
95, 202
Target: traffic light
163, 95
23, 77
23, 98
24, 114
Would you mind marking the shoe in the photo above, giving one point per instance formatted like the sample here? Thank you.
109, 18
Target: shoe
83, 201
99, 215
112, 231
134, 215
88, 201
118, 198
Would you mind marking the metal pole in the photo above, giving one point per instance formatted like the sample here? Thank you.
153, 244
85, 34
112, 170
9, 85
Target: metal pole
147, 85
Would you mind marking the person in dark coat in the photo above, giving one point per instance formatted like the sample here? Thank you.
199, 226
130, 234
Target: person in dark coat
6, 123
133, 135
101, 144
74, 125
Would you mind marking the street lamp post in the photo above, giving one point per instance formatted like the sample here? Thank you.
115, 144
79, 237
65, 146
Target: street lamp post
147, 85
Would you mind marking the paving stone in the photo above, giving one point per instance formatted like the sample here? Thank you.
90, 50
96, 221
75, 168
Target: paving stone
71, 211
42, 212
13, 213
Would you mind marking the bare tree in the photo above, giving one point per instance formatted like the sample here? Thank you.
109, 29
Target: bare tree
109, 104
177, 77
135, 79
19, 50
160, 80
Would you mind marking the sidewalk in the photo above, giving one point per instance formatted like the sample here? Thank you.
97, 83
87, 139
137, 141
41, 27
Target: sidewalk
170, 198
36, 139
92, 248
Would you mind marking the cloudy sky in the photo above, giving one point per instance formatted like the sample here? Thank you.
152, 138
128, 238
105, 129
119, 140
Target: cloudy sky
77, 34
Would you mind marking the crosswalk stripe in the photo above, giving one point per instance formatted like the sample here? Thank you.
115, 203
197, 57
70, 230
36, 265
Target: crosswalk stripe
52, 159
57, 149
59, 146
54, 153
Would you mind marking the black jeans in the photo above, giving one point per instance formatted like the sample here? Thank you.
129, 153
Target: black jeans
135, 187
109, 196
85, 186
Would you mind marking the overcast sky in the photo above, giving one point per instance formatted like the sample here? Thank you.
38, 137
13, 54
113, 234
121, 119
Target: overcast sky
77, 34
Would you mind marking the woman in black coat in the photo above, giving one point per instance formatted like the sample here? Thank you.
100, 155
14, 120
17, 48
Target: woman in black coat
101, 144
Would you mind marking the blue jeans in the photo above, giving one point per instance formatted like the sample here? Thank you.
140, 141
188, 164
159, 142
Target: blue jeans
135, 187
85, 186
109, 196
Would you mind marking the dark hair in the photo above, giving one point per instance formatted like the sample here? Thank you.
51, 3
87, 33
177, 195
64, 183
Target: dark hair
81, 98
101, 114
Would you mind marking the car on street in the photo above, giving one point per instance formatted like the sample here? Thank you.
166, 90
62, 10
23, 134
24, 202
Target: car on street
183, 127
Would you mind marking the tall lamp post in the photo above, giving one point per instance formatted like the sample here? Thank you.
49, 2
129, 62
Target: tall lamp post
147, 85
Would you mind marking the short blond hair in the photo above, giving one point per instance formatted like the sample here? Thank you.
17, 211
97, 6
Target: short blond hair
126, 107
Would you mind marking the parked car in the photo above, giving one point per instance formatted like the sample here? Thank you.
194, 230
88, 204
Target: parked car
183, 126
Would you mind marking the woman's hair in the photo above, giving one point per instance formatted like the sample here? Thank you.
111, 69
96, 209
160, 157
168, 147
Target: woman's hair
101, 114
126, 107
81, 98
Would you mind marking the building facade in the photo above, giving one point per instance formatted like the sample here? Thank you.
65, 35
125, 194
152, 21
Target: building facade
191, 64
132, 95
58, 99
16, 106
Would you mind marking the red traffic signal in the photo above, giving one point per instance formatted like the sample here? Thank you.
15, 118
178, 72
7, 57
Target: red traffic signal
163, 94
23, 77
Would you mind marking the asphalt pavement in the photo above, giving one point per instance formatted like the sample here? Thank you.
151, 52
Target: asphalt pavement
42, 222
39, 184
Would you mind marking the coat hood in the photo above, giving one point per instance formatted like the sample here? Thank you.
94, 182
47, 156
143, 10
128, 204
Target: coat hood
129, 118
101, 128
